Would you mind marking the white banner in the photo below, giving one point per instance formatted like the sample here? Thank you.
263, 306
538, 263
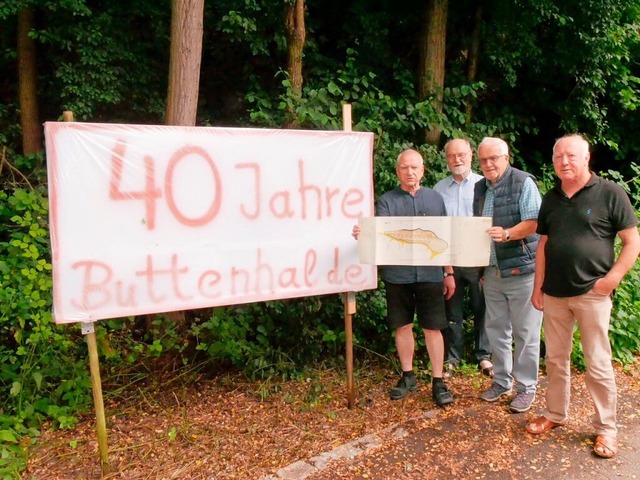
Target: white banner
149, 219
458, 241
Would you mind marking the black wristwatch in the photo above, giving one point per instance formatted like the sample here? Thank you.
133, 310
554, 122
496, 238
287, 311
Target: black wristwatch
447, 274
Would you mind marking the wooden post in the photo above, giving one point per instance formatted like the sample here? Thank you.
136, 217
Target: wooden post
349, 310
346, 117
98, 402
349, 298
89, 332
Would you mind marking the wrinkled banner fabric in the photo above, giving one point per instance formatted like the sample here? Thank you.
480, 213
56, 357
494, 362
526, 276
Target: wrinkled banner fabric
150, 219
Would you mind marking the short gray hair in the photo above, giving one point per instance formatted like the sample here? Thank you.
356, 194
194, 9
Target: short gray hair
408, 151
574, 135
504, 147
464, 139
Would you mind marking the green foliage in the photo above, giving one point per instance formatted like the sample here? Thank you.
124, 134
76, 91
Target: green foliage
272, 338
397, 122
40, 374
245, 23
577, 354
133, 346
547, 179
98, 59
631, 185
108, 61
624, 329
589, 83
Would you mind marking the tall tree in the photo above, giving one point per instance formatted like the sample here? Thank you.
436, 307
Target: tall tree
184, 68
473, 56
27, 84
432, 60
296, 33
184, 77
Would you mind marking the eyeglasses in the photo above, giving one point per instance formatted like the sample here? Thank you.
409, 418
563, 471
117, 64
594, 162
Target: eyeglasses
455, 156
491, 159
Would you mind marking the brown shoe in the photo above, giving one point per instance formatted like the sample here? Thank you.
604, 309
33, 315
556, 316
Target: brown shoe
541, 425
605, 446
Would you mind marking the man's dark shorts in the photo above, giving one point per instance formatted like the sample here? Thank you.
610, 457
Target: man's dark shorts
424, 299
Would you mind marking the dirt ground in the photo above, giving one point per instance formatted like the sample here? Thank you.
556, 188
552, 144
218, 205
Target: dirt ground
227, 427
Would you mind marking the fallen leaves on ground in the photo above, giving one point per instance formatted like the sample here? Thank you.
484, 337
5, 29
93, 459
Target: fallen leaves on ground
227, 427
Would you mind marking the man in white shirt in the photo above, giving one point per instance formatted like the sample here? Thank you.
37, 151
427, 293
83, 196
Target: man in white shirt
457, 191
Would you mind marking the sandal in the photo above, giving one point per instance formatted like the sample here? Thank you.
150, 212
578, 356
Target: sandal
405, 385
605, 446
486, 367
542, 425
442, 395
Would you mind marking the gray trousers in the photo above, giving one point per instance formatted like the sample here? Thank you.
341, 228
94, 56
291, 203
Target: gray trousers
513, 326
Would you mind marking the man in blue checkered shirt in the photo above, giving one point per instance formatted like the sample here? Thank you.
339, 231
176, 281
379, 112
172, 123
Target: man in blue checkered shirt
511, 197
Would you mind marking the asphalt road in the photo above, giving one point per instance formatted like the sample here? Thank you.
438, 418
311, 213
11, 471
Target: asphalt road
478, 440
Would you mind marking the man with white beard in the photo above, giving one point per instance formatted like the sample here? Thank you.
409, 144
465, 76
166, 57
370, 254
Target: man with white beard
457, 191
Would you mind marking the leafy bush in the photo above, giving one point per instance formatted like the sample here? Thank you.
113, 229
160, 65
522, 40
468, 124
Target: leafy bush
41, 376
272, 338
624, 329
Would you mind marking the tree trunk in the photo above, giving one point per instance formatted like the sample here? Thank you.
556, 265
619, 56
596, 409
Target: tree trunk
432, 57
472, 58
184, 67
184, 78
296, 33
28, 86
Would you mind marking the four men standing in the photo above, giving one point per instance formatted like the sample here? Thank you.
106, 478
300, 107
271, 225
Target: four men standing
554, 255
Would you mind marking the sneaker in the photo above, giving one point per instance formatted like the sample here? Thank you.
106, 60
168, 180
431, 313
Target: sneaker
405, 385
522, 402
494, 393
442, 395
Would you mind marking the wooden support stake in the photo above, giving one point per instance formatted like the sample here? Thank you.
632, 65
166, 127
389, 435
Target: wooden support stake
349, 298
346, 117
98, 402
349, 310
89, 332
